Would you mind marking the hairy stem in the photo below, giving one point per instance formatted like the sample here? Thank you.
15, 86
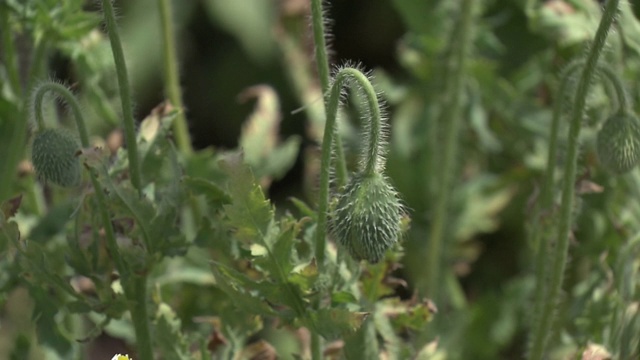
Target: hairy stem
125, 94
137, 295
452, 118
171, 77
371, 156
322, 62
135, 285
541, 335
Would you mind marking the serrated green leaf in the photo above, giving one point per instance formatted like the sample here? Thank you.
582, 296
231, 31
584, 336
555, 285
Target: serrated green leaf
343, 297
230, 281
334, 323
250, 213
169, 337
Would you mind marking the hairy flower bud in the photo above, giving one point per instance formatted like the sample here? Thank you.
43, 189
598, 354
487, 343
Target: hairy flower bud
368, 217
54, 157
618, 143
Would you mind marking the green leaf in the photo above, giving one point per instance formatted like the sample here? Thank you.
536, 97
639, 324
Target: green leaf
334, 323
215, 195
169, 339
234, 285
53, 223
250, 213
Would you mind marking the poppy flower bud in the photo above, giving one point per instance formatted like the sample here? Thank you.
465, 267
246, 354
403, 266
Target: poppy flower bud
618, 143
54, 157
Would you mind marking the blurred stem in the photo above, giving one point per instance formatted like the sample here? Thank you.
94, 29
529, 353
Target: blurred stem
172, 79
559, 260
37, 62
322, 62
125, 95
15, 128
137, 295
452, 119
9, 48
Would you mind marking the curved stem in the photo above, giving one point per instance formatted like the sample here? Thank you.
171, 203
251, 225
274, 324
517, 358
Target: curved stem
36, 108
452, 118
125, 94
171, 77
560, 257
135, 285
322, 62
371, 156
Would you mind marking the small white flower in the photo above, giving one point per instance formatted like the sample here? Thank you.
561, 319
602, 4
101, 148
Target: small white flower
121, 357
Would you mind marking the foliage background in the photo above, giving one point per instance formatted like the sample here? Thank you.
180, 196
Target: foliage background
228, 46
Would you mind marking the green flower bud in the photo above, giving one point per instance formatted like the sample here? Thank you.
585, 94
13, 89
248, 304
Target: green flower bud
54, 157
618, 143
368, 217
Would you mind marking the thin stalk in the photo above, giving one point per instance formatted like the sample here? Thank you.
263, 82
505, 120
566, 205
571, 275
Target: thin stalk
559, 260
136, 291
9, 49
172, 79
137, 295
372, 155
322, 62
15, 127
452, 118
37, 61
125, 94
36, 105
538, 239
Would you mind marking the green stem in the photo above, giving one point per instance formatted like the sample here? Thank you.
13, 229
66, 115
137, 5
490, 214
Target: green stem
36, 107
452, 118
559, 260
171, 77
372, 154
37, 61
137, 296
9, 48
15, 131
322, 62
137, 291
125, 94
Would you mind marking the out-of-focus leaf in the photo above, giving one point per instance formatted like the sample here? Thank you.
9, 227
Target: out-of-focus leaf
169, 338
259, 350
259, 139
10, 207
44, 316
251, 21
481, 201
562, 22
215, 195
305, 276
53, 223
334, 323
629, 26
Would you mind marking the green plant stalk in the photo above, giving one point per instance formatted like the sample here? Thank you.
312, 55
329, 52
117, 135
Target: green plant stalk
540, 242
125, 94
171, 78
137, 291
322, 63
541, 335
37, 61
137, 295
16, 128
327, 143
452, 118
37, 100
10, 58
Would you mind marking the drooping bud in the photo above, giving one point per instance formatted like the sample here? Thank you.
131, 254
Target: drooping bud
54, 157
618, 143
367, 218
